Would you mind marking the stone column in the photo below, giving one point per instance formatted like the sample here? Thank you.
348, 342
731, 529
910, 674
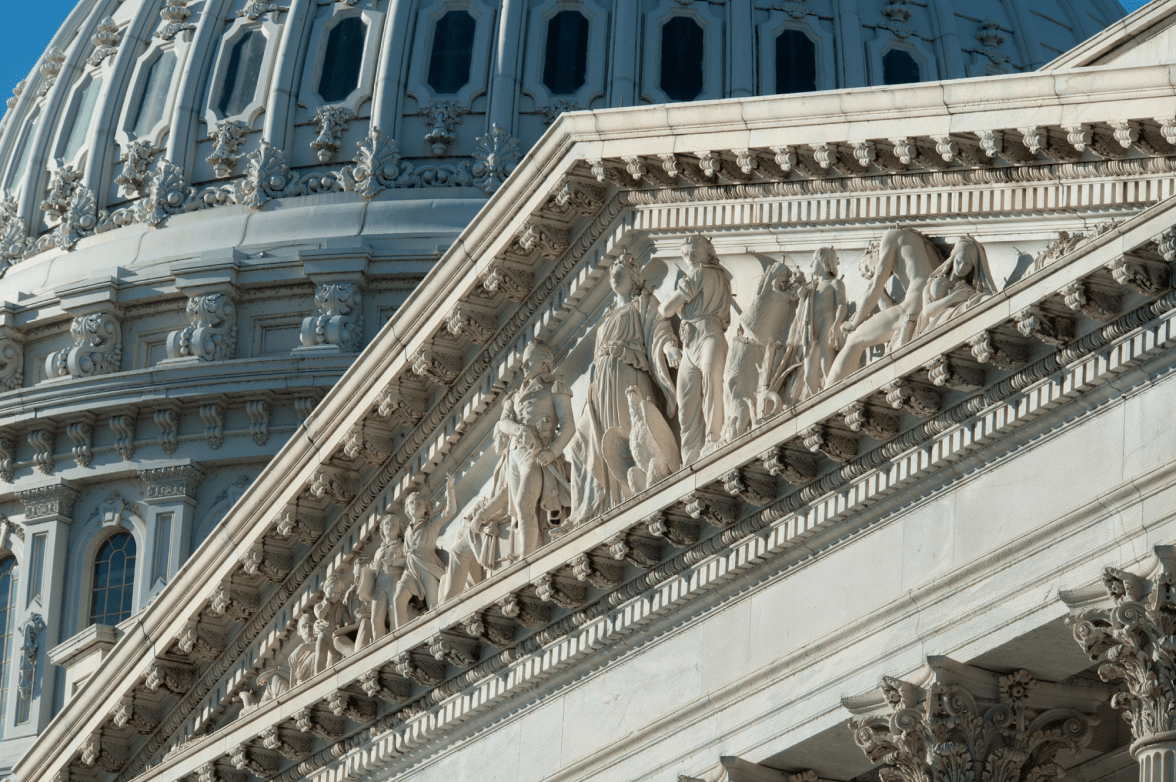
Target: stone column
504, 85
906, 725
48, 516
1134, 640
622, 84
742, 48
852, 52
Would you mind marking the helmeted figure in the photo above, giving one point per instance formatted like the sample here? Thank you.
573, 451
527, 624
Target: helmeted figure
535, 427
422, 567
961, 282
702, 298
632, 345
816, 335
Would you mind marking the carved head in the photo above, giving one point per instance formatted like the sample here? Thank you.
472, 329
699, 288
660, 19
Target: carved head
306, 627
625, 276
537, 359
964, 257
332, 588
825, 262
416, 507
697, 250
387, 529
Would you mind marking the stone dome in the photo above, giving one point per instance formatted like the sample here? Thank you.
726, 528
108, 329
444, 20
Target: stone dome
210, 206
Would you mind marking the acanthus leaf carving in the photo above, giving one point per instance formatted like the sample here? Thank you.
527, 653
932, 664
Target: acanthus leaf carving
679, 534
7, 458
175, 480
1050, 329
262, 765
256, 561
401, 404
459, 654
287, 745
136, 162
255, 9
234, 602
107, 754
564, 595
267, 176
550, 241
1004, 354
755, 491
1094, 304
198, 642
339, 321
30, 631
389, 690
11, 362
943, 371
97, 349
525, 612
319, 725
302, 525
915, 399
797, 470
605, 172
211, 334
376, 168
14, 238
636, 552
860, 418
424, 672
436, 365
1143, 274
332, 122
496, 633
942, 731
717, 511
584, 197
140, 719
837, 447
514, 284
601, 575
337, 485
174, 677
476, 324
495, 157
52, 500
443, 116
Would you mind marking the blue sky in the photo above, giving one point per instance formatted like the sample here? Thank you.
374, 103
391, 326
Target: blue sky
31, 25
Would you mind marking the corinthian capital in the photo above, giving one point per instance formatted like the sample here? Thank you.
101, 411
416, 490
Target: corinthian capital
1134, 640
957, 722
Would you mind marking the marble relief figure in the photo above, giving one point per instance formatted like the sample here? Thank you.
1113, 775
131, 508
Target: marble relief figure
760, 358
332, 620
423, 570
905, 255
375, 580
631, 372
478, 547
816, 334
535, 427
961, 282
702, 299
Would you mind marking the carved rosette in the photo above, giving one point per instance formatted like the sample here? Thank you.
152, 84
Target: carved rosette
340, 318
97, 348
943, 732
211, 334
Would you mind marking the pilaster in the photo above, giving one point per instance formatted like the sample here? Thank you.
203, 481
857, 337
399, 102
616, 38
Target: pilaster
170, 499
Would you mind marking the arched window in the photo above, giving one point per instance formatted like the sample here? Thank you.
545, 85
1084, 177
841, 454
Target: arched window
898, 67
242, 73
7, 618
681, 58
343, 60
83, 111
114, 580
565, 63
153, 98
796, 62
453, 51
24, 153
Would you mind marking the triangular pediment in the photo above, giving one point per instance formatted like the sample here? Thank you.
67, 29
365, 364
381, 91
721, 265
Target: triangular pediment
1145, 37
186, 692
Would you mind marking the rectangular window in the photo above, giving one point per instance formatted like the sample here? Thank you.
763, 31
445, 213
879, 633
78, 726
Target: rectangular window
37, 568
163, 525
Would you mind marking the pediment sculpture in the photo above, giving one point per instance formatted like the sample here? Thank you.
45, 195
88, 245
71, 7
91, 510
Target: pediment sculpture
670, 380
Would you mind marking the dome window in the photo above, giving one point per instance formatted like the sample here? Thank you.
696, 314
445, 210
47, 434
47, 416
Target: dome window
681, 58
898, 67
453, 50
343, 60
23, 153
242, 74
114, 580
153, 100
7, 620
83, 111
566, 60
796, 63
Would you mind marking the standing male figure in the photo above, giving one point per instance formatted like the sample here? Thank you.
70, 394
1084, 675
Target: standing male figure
703, 300
535, 427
